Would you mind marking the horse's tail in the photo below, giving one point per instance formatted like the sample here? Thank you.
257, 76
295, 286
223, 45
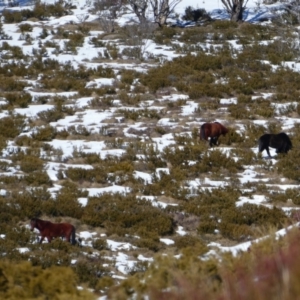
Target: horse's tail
202, 133
73, 239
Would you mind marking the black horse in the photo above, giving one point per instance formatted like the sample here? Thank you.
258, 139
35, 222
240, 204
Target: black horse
281, 142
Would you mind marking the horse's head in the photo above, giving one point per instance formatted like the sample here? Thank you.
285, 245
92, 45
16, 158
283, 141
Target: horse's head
224, 130
33, 222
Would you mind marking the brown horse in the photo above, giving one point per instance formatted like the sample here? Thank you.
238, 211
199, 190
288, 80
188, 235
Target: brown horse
52, 230
212, 131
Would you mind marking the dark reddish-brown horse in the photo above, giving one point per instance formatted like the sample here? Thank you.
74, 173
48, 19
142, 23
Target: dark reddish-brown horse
212, 131
51, 230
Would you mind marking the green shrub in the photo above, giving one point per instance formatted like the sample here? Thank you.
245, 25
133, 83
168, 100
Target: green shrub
14, 51
187, 241
66, 202
51, 115
25, 27
75, 40
129, 99
19, 99
283, 197
24, 205
3, 142
164, 35
223, 25
97, 174
53, 282
38, 178
237, 224
128, 76
79, 130
100, 244
12, 16
126, 212
138, 114
104, 283
30, 164
103, 102
287, 165
210, 204
4, 165
207, 226
152, 244
12, 126
215, 160
25, 140
46, 133
90, 270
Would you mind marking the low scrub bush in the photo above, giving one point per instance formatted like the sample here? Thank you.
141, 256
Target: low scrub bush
12, 126
239, 112
128, 76
90, 269
126, 212
97, 174
164, 35
140, 113
40, 11
238, 223
46, 133
214, 161
75, 40
14, 90
25, 27
231, 279
188, 241
66, 202
287, 165
58, 112
18, 99
101, 102
223, 24
100, 244
79, 130
38, 178
283, 197
30, 164
24, 205
151, 243
37, 282
129, 99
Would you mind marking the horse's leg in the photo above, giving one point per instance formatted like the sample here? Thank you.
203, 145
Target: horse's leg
267, 148
68, 237
213, 141
41, 239
73, 236
49, 238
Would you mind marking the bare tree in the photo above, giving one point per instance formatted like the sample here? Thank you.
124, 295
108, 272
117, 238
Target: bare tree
162, 10
108, 11
139, 7
138, 37
235, 8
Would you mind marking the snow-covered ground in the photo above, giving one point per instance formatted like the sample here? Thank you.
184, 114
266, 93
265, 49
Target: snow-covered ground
94, 120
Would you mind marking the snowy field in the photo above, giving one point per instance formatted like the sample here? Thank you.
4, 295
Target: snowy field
95, 120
